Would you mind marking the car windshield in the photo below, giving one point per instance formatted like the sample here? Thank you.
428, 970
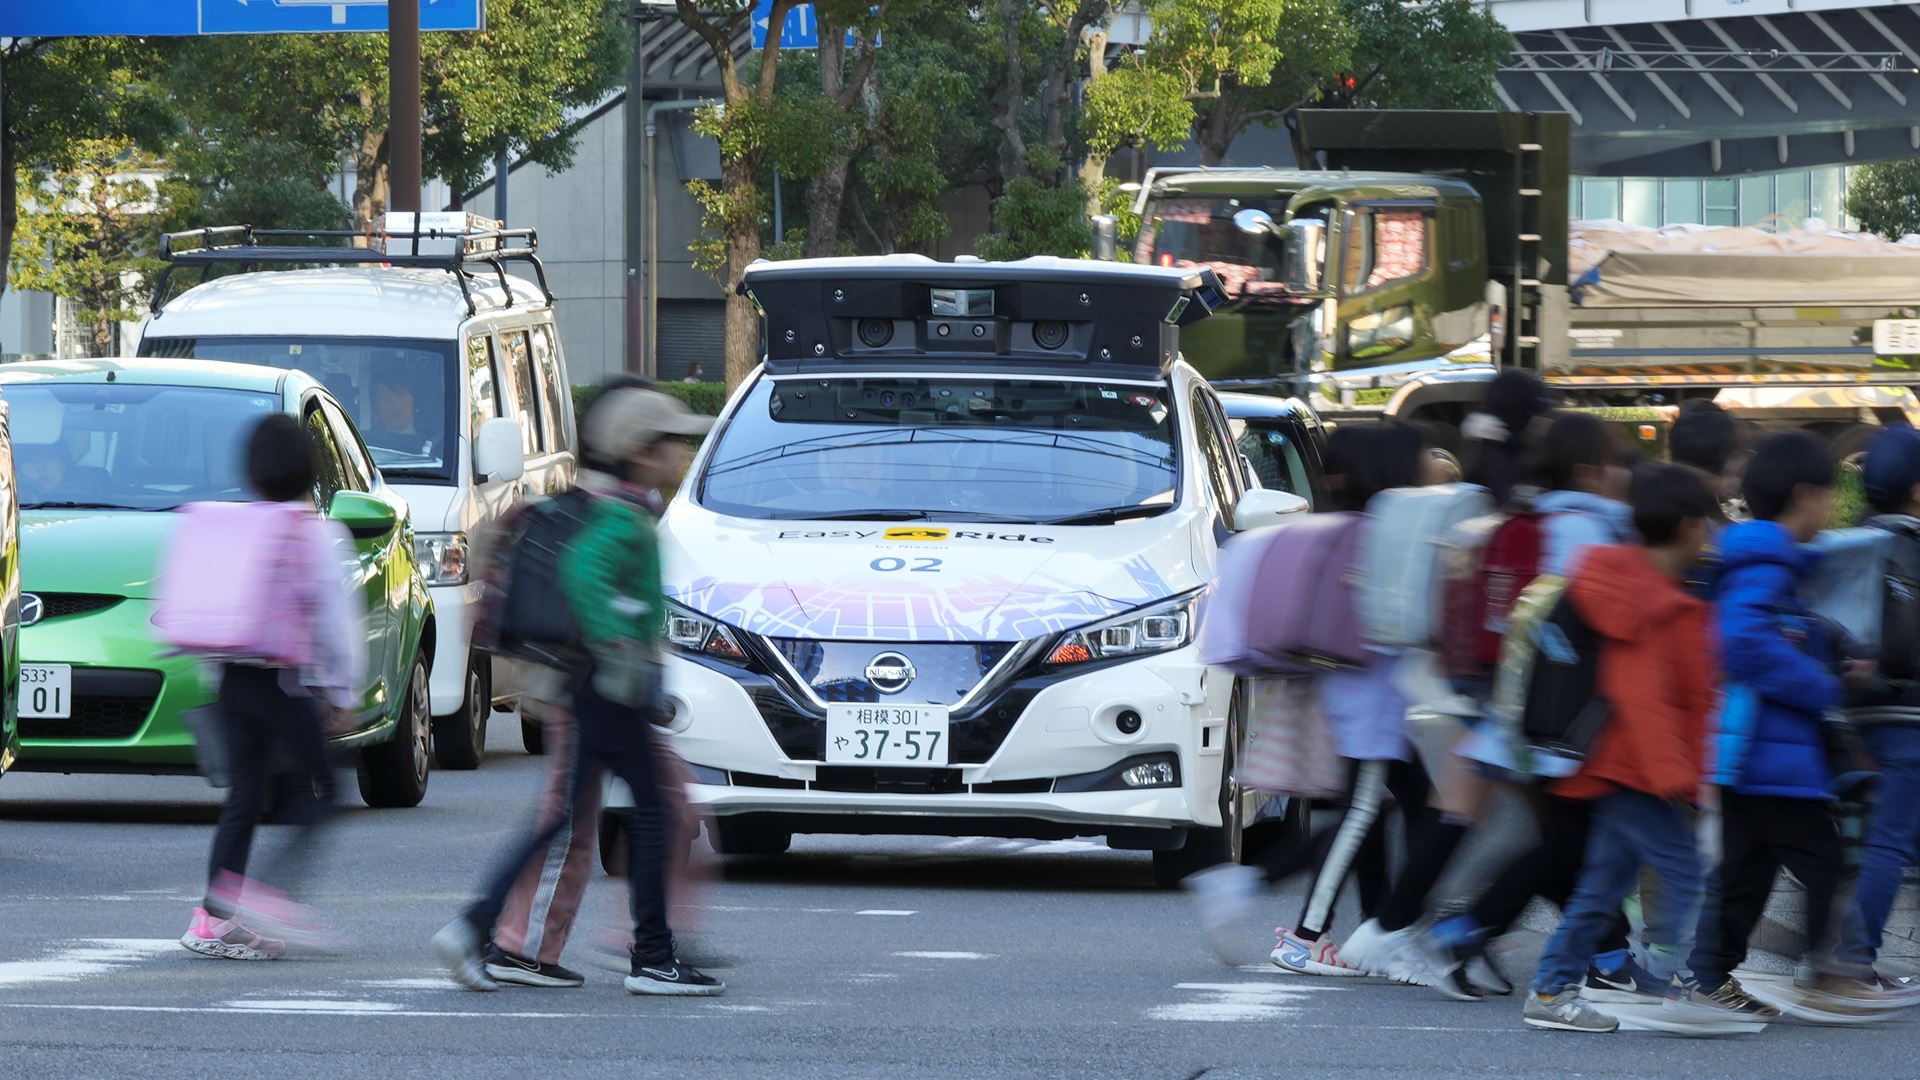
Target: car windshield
399, 392
1192, 230
969, 449
121, 446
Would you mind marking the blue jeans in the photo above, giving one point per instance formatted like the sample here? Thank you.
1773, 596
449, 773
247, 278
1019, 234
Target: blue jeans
1893, 837
1629, 828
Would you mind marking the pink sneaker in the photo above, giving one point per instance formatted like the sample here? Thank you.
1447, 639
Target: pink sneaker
276, 913
1302, 957
228, 940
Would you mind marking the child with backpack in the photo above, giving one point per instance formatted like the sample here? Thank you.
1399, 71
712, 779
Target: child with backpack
1644, 766
1770, 756
261, 589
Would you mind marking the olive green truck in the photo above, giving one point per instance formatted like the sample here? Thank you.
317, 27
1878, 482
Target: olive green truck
1432, 249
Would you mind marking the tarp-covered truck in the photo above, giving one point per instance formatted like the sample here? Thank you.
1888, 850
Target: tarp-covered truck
1435, 246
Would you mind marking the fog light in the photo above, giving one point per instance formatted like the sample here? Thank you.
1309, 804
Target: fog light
1149, 774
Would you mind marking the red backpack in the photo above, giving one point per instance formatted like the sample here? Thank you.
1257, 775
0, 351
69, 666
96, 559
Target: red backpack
1488, 562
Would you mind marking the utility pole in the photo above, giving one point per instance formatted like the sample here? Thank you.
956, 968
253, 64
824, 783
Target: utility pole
638, 358
403, 105
502, 164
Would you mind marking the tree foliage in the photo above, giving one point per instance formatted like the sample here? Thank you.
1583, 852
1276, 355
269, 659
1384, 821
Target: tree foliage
1885, 197
88, 234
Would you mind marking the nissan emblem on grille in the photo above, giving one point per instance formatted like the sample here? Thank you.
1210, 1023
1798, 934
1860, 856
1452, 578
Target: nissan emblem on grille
890, 672
31, 609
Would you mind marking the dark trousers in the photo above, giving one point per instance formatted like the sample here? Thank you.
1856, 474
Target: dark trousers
618, 740
1892, 839
269, 732
1759, 835
1356, 845
1549, 870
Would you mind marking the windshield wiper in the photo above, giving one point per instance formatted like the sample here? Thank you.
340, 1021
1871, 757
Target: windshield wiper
68, 505
1108, 515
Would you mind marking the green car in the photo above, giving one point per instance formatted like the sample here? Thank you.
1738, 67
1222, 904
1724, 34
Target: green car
104, 450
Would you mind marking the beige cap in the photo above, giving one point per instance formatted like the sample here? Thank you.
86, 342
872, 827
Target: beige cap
620, 422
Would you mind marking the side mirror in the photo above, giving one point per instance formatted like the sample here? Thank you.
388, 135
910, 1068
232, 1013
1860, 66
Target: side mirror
365, 516
1254, 222
496, 452
1106, 237
1264, 506
1304, 258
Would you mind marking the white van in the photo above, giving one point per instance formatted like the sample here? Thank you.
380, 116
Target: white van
449, 365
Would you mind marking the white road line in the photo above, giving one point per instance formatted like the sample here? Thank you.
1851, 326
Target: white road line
885, 911
83, 958
315, 1005
946, 955
441, 982
428, 1013
1239, 1002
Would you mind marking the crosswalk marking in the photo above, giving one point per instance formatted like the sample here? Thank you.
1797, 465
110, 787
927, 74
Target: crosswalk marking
83, 958
1240, 1002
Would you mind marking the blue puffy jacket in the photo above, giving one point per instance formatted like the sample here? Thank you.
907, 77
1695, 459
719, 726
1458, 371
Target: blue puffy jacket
1780, 681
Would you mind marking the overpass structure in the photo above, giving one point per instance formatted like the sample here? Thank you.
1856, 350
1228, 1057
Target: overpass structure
1718, 87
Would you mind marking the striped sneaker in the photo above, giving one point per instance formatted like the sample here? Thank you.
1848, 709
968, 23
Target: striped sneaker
228, 940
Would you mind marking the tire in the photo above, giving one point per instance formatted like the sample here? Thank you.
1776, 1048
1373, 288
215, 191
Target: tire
533, 736
394, 773
613, 844
460, 740
748, 838
1212, 846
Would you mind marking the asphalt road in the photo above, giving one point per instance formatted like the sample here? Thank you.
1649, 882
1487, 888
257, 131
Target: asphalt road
849, 958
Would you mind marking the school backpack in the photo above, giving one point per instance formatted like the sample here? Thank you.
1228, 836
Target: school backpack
1401, 557
535, 620
1900, 607
1564, 708
1851, 584
1486, 562
231, 583
1285, 603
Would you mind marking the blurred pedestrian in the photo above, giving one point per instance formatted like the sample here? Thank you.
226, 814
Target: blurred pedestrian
259, 588
609, 573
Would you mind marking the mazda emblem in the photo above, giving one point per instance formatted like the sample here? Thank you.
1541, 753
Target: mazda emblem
31, 609
890, 672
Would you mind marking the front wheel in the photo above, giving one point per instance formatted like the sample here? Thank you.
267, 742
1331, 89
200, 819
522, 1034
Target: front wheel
460, 740
394, 773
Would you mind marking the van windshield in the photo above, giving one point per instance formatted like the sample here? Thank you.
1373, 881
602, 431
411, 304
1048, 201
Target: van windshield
399, 392
956, 448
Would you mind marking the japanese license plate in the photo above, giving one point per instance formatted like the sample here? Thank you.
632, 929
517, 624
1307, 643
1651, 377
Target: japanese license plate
887, 734
46, 691
1896, 337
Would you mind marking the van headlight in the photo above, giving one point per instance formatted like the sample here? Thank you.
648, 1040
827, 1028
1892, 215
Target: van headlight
691, 632
442, 557
1156, 628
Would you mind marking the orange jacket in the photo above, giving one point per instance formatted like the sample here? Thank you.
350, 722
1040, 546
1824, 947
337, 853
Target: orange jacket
1656, 667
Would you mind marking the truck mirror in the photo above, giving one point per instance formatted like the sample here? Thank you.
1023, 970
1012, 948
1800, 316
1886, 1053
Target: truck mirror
1106, 237
1254, 222
1301, 270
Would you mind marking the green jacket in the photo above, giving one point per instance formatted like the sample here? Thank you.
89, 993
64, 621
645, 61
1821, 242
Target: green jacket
611, 576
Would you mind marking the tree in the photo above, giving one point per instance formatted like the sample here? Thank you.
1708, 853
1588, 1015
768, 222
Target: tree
59, 95
89, 234
1885, 197
847, 91
323, 97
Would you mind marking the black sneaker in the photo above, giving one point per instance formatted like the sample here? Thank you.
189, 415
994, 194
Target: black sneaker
672, 978
1630, 984
505, 967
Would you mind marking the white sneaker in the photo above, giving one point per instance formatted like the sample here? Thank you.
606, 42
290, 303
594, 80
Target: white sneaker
1223, 898
1404, 958
1302, 957
1483, 975
1363, 948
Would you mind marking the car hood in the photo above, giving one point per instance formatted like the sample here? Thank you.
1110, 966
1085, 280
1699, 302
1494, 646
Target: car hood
932, 581
93, 551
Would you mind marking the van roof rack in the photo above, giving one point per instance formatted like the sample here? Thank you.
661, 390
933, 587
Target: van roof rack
455, 250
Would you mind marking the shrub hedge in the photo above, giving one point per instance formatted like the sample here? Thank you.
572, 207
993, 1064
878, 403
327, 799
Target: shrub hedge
701, 397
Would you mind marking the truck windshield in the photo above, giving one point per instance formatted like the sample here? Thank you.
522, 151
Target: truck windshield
400, 392
953, 448
130, 447
1198, 230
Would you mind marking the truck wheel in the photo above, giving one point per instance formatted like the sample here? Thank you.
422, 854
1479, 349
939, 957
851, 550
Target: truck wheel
748, 838
460, 740
533, 736
394, 773
1207, 847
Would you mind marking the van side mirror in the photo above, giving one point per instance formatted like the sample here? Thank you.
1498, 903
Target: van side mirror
496, 451
1106, 237
1265, 506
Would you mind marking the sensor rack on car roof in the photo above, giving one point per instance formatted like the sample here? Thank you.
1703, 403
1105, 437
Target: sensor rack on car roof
453, 242
1040, 311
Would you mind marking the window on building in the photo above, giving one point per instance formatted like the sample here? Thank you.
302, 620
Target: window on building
1827, 197
1683, 203
1640, 201
1722, 203
1756, 200
1794, 192
1602, 199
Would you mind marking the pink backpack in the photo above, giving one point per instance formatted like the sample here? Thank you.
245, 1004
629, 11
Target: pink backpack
1285, 603
232, 583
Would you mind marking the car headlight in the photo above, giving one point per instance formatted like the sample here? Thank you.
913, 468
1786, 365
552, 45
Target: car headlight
442, 557
1157, 628
691, 632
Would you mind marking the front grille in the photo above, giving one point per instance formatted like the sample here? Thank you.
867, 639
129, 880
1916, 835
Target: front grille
63, 605
944, 672
855, 778
108, 704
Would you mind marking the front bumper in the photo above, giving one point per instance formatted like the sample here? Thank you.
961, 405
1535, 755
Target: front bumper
1045, 755
127, 697
453, 607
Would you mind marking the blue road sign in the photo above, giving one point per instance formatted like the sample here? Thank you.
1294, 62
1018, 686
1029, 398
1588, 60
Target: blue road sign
800, 31
164, 18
